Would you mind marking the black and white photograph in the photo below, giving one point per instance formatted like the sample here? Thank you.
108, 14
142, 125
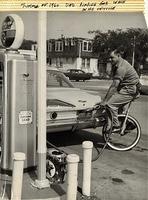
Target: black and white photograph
73, 105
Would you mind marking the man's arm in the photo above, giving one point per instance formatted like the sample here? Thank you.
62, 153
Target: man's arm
112, 90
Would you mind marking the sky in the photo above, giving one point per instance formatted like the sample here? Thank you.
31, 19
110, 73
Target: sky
77, 24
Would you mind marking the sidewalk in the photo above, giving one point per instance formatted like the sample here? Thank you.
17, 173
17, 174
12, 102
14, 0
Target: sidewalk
29, 192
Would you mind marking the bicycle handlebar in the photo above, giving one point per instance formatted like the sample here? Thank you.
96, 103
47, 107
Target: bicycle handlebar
95, 107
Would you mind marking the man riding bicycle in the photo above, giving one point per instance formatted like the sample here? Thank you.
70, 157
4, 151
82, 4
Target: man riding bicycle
123, 88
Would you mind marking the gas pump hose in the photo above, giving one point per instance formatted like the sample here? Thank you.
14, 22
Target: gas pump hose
99, 153
81, 161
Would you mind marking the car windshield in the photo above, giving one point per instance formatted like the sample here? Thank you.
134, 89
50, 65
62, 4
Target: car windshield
57, 79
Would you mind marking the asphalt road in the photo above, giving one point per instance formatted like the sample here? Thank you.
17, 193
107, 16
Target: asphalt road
115, 175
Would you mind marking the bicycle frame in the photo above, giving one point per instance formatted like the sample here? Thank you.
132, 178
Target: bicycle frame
126, 116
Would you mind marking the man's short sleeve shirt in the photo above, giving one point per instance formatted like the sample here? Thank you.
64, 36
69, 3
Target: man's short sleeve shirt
127, 75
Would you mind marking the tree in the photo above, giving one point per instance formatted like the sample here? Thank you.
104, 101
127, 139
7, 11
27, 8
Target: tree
134, 42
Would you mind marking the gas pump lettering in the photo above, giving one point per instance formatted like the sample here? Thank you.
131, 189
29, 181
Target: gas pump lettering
25, 117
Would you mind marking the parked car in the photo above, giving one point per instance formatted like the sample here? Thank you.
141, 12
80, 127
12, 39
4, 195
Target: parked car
66, 105
78, 74
144, 83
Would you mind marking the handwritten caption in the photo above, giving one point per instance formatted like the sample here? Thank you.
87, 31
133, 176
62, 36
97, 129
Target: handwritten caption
82, 6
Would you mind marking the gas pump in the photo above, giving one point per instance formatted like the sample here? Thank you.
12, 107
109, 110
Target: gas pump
18, 127
17, 96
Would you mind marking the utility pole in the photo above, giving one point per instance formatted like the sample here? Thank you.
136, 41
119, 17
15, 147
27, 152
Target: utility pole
79, 59
134, 44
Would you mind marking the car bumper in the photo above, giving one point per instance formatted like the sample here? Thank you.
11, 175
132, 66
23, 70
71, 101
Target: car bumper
73, 126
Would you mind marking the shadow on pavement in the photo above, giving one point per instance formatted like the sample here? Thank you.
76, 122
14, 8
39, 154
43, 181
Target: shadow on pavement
69, 138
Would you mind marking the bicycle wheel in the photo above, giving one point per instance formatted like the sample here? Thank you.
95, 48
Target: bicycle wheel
128, 139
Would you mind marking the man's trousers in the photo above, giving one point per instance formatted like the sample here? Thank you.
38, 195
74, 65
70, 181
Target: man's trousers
115, 102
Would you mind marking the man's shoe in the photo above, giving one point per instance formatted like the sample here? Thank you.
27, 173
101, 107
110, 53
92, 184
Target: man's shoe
116, 129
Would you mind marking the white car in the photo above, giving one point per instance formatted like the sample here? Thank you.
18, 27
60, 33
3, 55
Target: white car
67, 105
144, 83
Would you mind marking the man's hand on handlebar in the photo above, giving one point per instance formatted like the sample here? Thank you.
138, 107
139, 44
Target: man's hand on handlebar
97, 106
103, 103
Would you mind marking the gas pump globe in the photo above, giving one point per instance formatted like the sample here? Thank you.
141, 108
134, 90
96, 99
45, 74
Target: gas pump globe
17, 96
12, 33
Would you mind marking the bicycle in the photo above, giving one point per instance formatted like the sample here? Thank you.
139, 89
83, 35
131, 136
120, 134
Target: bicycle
129, 134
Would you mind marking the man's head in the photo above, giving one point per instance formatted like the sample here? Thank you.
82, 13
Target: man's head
115, 56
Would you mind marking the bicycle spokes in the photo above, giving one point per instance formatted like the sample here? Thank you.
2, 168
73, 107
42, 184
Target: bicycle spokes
127, 138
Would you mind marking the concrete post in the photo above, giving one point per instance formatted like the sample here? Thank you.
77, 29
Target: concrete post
72, 174
41, 181
17, 177
87, 157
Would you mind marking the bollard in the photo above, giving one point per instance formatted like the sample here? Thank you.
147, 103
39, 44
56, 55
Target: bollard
72, 173
17, 176
87, 157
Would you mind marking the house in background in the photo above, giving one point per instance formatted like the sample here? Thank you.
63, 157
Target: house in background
72, 53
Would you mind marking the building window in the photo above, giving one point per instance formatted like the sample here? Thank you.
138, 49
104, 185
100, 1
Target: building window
72, 42
34, 47
84, 46
87, 46
58, 46
66, 42
49, 47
